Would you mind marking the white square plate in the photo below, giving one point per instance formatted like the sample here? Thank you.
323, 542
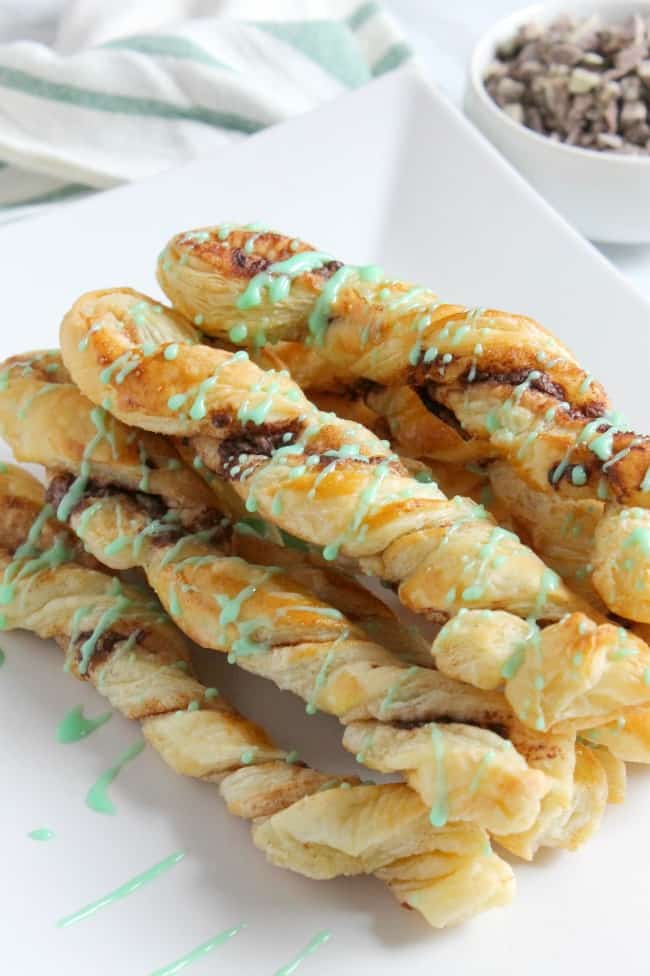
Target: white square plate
392, 174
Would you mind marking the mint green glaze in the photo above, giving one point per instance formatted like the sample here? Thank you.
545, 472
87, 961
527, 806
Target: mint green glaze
424, 478
105, 622
439, 812
602, 445
176, 401
171, 351
41, 833
257, 414
74, 725
321, 677
124, 890
390, 695
28, 401
320, 314
238, 332
75, 492
481, 770
97, 797
3, 657
198, 953
549, 582
247, 756
639, 537
297, 264
198, 409
586, 383
198, 320
318, 940
578, 475
28, 559
364, 502
294, 755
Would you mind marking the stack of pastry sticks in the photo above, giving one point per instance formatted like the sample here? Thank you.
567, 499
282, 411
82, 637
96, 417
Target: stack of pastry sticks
251, 486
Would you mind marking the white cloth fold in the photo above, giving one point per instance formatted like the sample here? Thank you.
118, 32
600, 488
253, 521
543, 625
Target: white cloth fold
128, 90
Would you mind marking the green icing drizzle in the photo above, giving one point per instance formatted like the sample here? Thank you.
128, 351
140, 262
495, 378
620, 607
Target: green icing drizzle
74, 725
198, 953
97, 797
124, 890
439, 812
318, 940
105, 622
238, 332
481, 770
41, 833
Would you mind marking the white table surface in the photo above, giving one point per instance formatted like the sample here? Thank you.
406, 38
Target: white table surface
442, 33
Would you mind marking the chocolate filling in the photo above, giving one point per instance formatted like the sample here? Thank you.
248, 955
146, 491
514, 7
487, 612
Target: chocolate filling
105, 644
438, 410
497, 727
60, 485
542, 383
254, 440
248, 264
152, 504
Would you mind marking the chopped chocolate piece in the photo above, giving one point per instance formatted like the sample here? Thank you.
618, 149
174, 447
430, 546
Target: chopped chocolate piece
578, 81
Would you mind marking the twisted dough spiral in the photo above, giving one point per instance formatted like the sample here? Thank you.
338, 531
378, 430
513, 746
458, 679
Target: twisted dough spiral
502, 380
320, 477
318, 825
506, 379
457, 750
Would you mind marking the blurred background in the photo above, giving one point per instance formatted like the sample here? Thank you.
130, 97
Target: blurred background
175, 51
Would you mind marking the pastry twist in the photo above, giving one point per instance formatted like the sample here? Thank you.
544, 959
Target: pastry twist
318, 825
322, 478
270, 624
500, 380
505, 379
384, 748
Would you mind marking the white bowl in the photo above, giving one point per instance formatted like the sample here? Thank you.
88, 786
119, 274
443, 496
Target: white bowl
604, 195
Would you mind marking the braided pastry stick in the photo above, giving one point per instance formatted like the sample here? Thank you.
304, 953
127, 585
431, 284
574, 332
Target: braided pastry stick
319, 478
505, 378
502, 378
272, 626
554, 755
318, 825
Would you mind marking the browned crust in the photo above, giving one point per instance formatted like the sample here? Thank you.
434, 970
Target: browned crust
228, 258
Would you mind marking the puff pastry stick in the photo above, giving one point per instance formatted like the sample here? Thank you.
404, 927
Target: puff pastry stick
273, 626
310, 822
314, 475
501, 378
506, 379
462, 771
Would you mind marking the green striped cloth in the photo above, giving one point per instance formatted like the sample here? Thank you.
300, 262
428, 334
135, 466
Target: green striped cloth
137, 104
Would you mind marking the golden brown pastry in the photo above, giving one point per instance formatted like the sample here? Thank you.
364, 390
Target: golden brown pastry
310, 822
608, 670
505, 379
322, 478
327, 481
560, 530
621, 562
500, 379
270, 624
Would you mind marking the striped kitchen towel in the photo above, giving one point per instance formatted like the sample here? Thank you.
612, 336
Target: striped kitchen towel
130, 89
